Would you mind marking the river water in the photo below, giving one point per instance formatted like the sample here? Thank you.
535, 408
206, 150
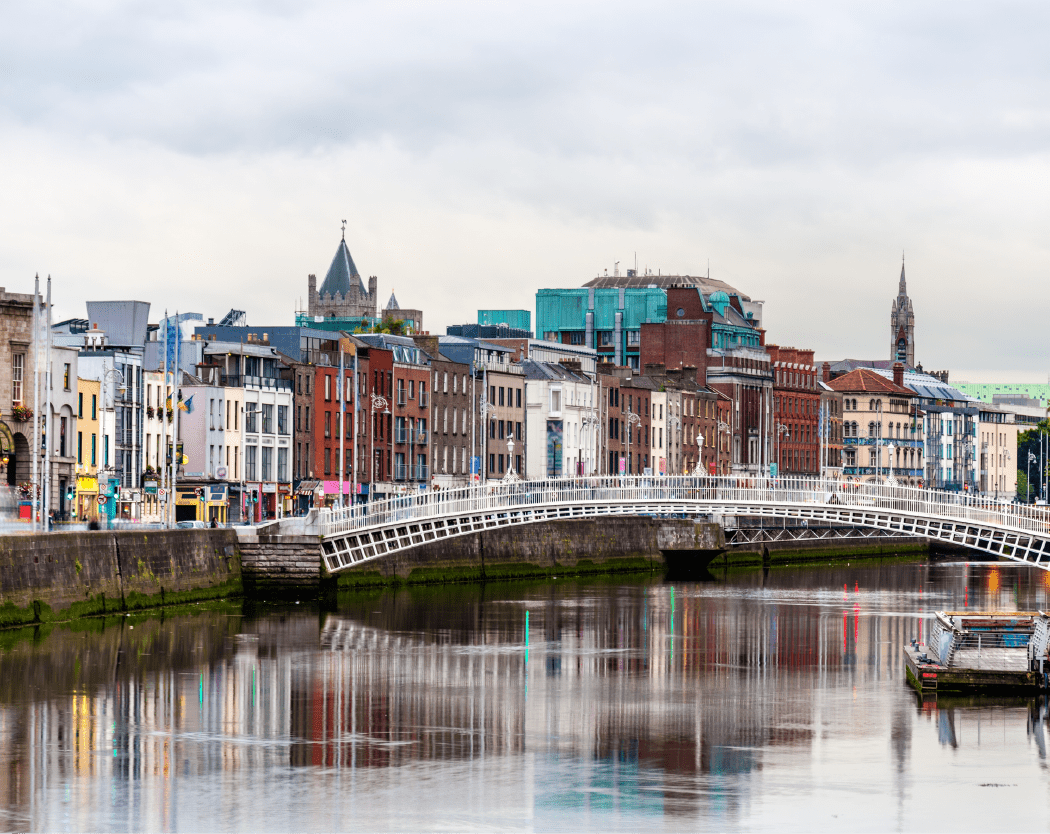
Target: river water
762, 700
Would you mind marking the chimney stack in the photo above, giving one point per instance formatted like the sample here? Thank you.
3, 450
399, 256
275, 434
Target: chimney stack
898, 374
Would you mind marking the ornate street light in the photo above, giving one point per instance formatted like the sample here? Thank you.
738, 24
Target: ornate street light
632, 420
485, 408
781, 429
511, 474
725, 427
378, 403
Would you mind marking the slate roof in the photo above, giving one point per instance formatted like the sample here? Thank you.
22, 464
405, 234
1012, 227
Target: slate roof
868, 381
341, 273
392, 303
531, 369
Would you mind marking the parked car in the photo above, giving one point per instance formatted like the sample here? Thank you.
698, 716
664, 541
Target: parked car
183, 525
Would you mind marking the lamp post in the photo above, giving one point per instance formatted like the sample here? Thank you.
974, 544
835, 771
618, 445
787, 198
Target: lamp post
589, 421
485, 408
781, 429
725, 427
511, 475
676, 423
378, 402
107, 375
890, 448
1028, 480
632, 420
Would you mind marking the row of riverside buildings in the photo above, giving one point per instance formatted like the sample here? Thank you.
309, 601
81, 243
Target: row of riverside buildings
641, 375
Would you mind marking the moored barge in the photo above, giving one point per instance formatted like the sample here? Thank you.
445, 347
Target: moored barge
980, 651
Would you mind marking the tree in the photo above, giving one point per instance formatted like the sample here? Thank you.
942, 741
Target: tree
1022, 485
390, 325
1028, 442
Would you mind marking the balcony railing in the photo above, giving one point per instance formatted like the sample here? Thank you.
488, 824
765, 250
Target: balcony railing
424, 398
237, 381
401, 396
402, 472
401, 435
421, 437
420, 472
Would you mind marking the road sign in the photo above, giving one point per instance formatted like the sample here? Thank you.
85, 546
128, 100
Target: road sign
102, 499
220, 473
163, 493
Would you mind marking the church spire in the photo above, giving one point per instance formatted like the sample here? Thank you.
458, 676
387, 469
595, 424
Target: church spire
903, 289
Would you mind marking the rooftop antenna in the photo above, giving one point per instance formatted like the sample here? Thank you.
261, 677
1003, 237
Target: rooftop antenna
708, 269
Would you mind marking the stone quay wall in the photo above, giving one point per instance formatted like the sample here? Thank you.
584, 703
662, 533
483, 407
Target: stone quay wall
65, 575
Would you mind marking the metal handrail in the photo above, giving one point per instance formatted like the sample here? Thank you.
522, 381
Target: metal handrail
690, 490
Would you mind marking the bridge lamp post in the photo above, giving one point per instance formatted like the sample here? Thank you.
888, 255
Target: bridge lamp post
890, 447
511, 475
632, 420
781, 429
378, 402
116, 376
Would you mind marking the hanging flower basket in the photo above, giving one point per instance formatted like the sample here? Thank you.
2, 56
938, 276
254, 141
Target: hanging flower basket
22, 413
149, 411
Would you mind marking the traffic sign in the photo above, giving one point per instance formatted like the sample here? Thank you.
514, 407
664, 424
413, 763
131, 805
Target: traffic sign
102, 499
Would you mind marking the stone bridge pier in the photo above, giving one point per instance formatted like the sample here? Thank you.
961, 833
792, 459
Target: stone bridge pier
689, 546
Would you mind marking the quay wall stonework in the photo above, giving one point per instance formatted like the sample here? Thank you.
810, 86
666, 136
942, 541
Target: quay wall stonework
60, 575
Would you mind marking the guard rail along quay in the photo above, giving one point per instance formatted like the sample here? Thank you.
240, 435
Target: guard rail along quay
350, 536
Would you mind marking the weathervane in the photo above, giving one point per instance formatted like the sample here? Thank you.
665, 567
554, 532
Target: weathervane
344, 230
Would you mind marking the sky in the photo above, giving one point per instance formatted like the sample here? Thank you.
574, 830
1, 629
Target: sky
202, 155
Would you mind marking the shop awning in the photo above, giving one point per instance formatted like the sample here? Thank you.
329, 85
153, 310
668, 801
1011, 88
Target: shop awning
307, 487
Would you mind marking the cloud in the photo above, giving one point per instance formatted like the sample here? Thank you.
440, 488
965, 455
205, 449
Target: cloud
207, 151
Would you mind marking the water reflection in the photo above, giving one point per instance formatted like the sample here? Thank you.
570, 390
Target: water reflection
738, 702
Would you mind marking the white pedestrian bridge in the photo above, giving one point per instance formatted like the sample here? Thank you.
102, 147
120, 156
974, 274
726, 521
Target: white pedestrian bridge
351, 536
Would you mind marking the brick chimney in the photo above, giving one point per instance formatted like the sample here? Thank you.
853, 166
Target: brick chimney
825, 372
898, 374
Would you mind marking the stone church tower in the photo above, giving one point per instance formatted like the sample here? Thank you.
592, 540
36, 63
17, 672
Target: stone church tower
343, 293
902, 326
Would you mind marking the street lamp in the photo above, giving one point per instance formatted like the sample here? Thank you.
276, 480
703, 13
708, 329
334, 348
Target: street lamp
1028, 480
590, 421
781, 429
632, 420
675, 423
378, 402
511, 475
724, 427
485, 408
890, 447
107, 375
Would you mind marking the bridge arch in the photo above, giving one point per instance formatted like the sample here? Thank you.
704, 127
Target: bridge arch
355, 535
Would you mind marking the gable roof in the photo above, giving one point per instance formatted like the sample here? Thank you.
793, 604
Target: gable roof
868, 381
341, 273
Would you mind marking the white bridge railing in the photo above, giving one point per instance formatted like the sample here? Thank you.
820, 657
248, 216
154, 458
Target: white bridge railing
686, 492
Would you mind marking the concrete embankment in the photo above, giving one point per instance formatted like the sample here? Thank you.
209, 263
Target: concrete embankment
66, 575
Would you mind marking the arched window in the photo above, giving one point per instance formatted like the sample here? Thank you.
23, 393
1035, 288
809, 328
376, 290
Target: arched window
871, 405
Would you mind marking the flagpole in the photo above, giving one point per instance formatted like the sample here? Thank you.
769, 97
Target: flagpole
163, 406
49, 438
353, 467
342, 417
34, 456
175, 420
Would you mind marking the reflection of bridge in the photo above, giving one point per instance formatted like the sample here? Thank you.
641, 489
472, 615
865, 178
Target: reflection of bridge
352, 536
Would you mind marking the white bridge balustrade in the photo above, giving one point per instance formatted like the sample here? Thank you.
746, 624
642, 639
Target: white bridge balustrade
359, 534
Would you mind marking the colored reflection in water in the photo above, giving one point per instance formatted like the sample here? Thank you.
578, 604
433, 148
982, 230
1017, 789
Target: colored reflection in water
758, 700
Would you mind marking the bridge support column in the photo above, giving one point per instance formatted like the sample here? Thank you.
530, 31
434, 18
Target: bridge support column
689, 549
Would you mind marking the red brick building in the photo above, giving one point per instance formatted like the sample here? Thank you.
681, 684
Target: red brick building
796, 410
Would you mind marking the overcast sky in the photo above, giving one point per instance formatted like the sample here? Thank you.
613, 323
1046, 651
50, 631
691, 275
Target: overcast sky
201, 155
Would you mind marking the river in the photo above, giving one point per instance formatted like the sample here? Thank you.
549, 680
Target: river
755, 700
